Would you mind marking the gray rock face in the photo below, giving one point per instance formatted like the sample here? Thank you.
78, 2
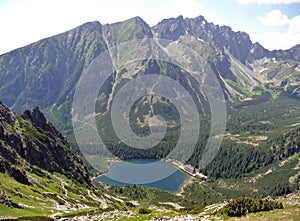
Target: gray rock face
28, 139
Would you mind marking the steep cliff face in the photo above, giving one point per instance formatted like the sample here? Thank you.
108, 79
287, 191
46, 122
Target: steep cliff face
29, 139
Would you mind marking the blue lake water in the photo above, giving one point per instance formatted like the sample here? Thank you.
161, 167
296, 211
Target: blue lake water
150, 173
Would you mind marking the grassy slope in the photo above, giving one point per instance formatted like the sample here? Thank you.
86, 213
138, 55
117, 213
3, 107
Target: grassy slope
49, 194
54, 194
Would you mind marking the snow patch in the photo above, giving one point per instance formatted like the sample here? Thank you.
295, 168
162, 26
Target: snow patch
200, 39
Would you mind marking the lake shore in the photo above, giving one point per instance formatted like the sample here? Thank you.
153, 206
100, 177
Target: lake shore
173, 183
188, 181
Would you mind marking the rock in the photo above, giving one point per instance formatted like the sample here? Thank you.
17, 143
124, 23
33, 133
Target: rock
18, 175
35, 141
5, 200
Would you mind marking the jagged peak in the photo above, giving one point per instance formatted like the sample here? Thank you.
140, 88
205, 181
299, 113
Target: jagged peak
197, 20
36, 117
170, 20
180, 18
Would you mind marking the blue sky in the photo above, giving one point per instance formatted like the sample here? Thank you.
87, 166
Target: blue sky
273, 23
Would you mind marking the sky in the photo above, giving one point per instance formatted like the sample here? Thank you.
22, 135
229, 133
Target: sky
275, 24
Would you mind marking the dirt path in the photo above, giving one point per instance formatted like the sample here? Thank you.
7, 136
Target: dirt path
102, 201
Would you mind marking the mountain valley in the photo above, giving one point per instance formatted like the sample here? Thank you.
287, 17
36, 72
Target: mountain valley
45, 174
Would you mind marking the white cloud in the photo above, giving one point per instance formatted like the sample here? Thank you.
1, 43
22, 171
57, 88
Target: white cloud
274, 18
276, 40
294, 26
270, 2
281, 40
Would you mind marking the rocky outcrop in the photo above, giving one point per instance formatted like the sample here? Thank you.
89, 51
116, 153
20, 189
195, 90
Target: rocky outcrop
6, 200
29, 139
18, 174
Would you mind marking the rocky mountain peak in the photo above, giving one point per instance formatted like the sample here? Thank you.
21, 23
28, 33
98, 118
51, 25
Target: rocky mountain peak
36, 117
141, 25
171, 29
138, 20
133, 28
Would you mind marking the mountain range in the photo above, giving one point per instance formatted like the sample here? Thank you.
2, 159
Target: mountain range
261, 88
45, 73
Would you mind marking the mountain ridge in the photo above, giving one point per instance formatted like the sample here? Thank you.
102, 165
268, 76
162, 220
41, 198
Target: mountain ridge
180, 18
240, 39
67, 69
